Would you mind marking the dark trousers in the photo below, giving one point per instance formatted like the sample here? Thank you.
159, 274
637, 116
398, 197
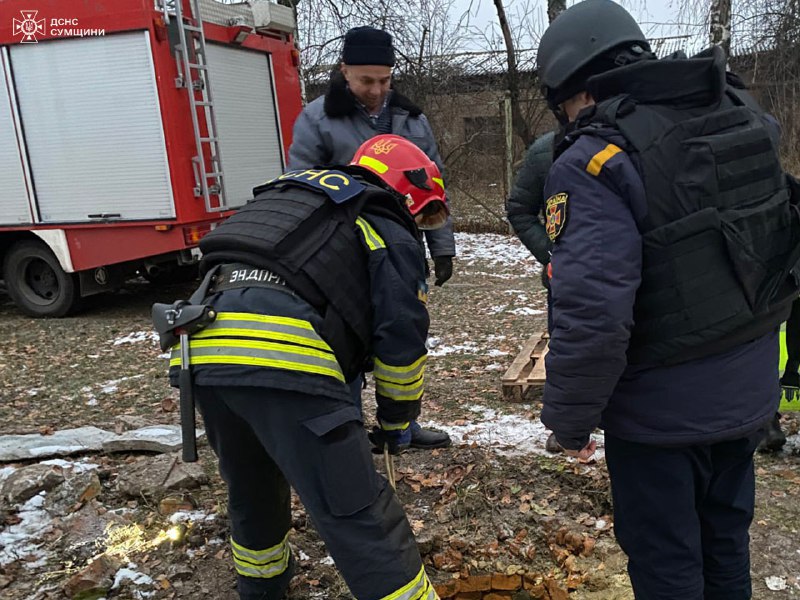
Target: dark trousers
793, 339
682, 515
267, 440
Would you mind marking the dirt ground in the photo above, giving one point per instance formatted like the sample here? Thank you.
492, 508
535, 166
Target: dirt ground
494, 502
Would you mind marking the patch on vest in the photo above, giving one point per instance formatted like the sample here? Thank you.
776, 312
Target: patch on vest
422, 291
339, 187
556, 215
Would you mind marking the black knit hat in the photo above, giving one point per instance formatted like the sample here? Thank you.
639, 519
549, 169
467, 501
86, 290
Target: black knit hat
367, 46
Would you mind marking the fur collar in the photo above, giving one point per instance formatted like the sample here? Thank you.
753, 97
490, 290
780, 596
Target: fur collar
339, 102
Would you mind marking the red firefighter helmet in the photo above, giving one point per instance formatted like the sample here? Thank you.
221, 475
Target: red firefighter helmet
407, 169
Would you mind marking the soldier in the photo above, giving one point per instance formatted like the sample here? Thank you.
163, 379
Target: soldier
321, 274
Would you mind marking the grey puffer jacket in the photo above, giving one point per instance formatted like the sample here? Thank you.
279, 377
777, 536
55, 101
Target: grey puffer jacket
330, 129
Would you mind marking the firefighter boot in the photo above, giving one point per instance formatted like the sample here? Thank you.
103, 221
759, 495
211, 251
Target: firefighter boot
427, 439
775, 438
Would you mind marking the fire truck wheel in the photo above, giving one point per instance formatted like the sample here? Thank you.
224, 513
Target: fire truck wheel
36, 282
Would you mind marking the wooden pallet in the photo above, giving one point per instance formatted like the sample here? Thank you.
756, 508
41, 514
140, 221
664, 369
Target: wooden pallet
526, 374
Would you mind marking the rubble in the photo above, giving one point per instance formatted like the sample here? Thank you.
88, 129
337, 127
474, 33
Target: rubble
94, 580
149, 477
26, 482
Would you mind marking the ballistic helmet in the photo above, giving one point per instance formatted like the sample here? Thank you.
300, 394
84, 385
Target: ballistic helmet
408, 170
580, 42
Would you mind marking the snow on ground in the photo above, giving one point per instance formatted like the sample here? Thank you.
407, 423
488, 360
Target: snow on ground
107, 387
507, 434
190, 516
136, 337
792, 444
499, 250
437, 348
22, 540
136, 578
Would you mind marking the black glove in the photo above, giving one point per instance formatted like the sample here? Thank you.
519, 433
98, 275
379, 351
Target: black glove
443, 268
397, 440
545, 278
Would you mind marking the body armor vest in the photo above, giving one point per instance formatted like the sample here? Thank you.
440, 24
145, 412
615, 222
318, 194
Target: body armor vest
302, 227
721, 235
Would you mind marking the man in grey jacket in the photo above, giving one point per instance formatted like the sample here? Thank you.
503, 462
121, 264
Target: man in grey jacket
360, 104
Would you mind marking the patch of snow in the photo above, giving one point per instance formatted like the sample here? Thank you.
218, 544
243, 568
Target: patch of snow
74, 466
92, 401
793, 444
165, 355
136, 578
215, 541
600, 523
526, 310
24, 538
136, 337
493, 310
494, 367
327, 561
507, 434
33, 391
466, 348
303, 556
496, 352
775, 584
494, 248
183, 516
111, 386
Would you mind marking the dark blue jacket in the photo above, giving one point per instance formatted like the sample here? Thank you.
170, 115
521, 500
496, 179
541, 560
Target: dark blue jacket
400, 322
597, 264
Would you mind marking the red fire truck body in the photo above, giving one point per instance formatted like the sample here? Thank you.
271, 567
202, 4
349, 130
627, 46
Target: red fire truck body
128, 129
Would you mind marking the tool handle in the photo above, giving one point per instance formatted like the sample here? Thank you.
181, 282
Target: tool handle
189, 446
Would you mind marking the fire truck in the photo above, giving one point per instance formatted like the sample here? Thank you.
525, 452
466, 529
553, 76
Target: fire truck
128, 130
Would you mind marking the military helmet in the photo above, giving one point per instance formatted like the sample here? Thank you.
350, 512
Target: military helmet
408, 170
578, 37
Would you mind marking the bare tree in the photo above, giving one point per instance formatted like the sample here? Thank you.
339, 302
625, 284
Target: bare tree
720, 17
520, 124
555, 8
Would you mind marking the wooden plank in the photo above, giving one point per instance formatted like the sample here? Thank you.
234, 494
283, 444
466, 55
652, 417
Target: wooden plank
522, 360
538, 374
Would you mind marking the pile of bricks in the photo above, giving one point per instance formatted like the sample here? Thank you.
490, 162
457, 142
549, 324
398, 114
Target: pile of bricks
500, 586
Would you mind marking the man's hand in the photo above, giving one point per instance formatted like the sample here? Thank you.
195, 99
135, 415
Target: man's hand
397, 440
443, 268
585, 454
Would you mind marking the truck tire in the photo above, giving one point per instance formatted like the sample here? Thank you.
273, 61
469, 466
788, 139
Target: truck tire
36, 282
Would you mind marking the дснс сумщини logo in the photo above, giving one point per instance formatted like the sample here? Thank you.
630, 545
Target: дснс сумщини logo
29, 27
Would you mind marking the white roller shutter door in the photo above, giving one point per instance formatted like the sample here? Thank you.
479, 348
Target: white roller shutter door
14, 186
92, 123
244, 109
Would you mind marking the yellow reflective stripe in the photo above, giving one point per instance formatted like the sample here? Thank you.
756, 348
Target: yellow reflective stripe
267, 335
259, 556
598, 160
261, 354
439, 181
374, 164
400, 374
394, 426
263, 570
371, 237
419, 588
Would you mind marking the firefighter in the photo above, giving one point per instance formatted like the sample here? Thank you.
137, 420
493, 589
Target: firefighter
322, 273
674, 262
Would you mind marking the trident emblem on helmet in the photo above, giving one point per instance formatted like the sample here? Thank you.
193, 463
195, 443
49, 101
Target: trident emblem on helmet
383, 146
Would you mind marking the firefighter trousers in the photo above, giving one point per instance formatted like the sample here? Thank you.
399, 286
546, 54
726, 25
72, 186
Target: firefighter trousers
268, 439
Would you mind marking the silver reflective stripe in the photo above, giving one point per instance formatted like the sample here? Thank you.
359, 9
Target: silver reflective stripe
279, 328
405, 374
264, 572
259, 556
396, 392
